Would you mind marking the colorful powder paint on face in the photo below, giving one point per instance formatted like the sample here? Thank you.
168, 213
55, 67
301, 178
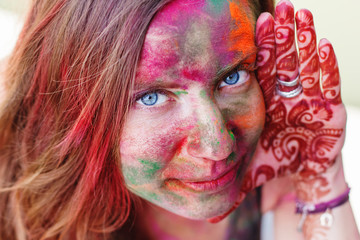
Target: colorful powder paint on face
216, 6
180, 92
147, 171
242, 34
172, 151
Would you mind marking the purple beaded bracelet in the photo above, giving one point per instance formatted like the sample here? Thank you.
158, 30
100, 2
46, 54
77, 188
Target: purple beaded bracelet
322, 207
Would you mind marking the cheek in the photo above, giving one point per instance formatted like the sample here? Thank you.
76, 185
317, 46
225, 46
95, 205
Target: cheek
145, 150
247, 115
252, 120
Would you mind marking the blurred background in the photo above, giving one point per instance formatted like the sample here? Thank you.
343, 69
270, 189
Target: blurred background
337, 21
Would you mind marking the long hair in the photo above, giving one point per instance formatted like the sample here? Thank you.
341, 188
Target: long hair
67, 95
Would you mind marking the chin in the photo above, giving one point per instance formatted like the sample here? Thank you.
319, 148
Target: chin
204, 213
203, 206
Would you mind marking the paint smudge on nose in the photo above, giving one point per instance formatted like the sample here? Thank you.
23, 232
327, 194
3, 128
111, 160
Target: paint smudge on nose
231, 135
242, 34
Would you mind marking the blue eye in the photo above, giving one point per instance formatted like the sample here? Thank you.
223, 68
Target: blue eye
152, 98
232, 78
237, 77
149, 99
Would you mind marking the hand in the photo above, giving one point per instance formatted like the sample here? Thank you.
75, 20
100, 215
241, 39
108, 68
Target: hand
303, 134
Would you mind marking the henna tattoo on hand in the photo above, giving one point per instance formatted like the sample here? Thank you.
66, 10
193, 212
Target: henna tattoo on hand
305, 134
300, 136
308, 57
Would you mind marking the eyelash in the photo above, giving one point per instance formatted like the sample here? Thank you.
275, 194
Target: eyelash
239, 74
248, 68
139, 96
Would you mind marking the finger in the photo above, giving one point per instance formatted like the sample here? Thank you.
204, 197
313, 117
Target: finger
308, 57
286, 54
330, 80
265, 40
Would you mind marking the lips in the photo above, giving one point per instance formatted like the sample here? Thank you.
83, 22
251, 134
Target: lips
216, 184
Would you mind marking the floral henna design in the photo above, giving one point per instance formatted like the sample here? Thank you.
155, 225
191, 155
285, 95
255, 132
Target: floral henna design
308, 57
313, 230
286, 53
319, 189
330, 72
302, 135
266, 56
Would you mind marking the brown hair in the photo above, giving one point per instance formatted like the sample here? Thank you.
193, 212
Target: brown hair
67, 95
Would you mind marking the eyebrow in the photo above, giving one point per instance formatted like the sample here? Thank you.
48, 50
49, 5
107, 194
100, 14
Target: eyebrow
148, 87
247, 62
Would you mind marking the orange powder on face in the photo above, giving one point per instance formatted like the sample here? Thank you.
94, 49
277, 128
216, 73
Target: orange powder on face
242, 34
248, 121
252, 118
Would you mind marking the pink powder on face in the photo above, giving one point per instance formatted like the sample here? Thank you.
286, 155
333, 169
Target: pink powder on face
178, 11
201, 134
229, 36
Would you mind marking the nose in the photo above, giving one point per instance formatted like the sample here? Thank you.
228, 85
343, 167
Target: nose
209, 138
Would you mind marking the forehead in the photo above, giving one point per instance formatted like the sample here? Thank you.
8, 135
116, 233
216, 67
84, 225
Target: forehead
189, 33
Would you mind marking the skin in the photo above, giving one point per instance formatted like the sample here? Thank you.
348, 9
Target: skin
202, 128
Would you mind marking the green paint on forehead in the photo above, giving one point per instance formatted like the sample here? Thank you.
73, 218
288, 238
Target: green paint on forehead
216, 6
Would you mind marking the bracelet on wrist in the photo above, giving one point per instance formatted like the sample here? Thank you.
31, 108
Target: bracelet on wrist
326, 218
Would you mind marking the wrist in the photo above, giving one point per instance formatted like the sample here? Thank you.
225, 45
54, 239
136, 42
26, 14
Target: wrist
323, 187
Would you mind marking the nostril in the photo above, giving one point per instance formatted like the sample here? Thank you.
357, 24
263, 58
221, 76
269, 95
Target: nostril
234, 131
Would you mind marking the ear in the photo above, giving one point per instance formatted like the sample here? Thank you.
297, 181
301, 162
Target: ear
267, 6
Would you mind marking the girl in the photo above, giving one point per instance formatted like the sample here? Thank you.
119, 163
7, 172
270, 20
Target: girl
142, 119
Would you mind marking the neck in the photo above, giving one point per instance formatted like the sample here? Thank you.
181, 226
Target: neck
162, 224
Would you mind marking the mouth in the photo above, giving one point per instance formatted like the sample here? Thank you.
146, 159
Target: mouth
218, 183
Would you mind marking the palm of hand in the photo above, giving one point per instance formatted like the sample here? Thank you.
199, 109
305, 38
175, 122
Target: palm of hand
303, 134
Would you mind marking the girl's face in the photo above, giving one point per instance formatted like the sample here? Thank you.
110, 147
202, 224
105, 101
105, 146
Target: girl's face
199, 111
